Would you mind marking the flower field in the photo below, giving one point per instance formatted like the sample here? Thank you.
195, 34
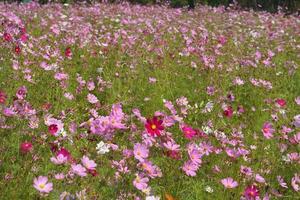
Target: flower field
120, 101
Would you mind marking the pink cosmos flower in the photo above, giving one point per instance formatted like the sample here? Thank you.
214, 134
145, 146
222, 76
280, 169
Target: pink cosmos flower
79, 170
140, 152
60, 159
259, 178
246, 170
21, 93
92, 98
59, 176
87, 163
42, 185
297, 100
268, 130
229, 183
140, 182
190, 168
195, 156
281, 182
296, 182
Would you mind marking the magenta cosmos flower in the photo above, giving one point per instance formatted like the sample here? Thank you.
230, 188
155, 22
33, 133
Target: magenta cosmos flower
55, 126
154, 126
2, 97
229, 183
140, 152
188, 132
42, 185
25, 147
21, 93
251, 192
268, 130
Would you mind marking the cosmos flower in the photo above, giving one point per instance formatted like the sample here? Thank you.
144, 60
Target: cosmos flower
25, 147
42, 185
229, 183
87, 163
188, 132
251, 192
60, 159
68, 52
140, 152
268, 130
102, 148
190, 168
2, 97
79, 170
21, 93
280, 102
140, 182
154, 126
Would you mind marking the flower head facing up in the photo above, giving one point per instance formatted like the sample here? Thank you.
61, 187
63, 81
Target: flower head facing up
188, 132
2, 97
251, 192
68, 52
102, 148
25, 147
79, 170
140, 152
154, 126
229, 183
268, 130
42, 185
141, 183
87, 163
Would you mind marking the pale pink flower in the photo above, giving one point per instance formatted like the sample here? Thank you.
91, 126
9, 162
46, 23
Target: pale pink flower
92, 98
140, 182
79, 170
59, 159
140, 152
87, 163
42, 185
229, 182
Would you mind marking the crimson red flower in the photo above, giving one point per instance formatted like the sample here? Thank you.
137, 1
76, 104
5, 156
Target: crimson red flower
93, 172
280, 102
64, 152
251, 192
174, 154
2, 97
68, 52
25, 147
7, 37
53, 129
17, 50
228, 112
154, 126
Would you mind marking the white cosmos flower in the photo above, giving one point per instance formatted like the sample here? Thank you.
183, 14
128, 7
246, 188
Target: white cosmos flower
152, 198
102, 148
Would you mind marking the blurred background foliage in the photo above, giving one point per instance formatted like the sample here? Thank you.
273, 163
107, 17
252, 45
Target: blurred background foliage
287, 6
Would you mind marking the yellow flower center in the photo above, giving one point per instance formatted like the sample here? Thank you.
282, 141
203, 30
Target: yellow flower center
153, 126
42, 186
